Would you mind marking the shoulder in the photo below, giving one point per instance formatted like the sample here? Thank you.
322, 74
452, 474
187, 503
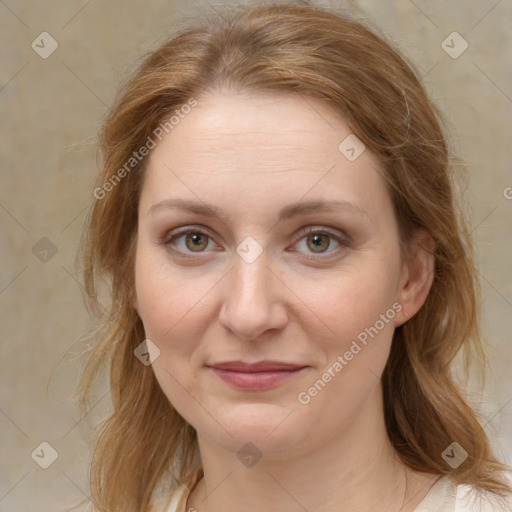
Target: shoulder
175, 502
470, 499
84, 505
446, 496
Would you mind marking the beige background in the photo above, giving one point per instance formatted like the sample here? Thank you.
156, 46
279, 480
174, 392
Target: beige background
50, 111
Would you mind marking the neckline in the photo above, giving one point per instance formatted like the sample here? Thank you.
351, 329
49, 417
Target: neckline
441, 486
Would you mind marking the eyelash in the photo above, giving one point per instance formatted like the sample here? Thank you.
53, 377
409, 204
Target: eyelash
343, 240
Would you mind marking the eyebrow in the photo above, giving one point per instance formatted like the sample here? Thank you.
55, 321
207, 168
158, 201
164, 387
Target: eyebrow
287, 212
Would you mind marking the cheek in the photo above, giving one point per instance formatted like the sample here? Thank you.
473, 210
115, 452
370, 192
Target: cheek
166, 299
353, 359
168, 308
358, 307
353, 302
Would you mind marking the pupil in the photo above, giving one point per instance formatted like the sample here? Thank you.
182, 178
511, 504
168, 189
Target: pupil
196, 239
317, 240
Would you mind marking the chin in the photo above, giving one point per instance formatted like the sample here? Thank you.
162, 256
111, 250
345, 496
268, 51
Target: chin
270, 427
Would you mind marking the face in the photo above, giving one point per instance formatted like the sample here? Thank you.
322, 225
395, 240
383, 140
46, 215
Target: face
277, 273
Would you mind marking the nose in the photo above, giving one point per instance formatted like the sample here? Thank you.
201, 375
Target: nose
254, 299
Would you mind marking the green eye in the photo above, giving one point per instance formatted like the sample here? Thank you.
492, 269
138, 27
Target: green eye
196, 241
317, 241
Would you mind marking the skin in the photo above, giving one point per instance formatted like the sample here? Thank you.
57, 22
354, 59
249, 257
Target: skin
251, 155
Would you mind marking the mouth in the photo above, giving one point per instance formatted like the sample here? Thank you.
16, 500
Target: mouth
256, 376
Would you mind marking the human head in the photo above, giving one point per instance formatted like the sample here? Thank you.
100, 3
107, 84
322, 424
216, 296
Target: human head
210, 302
316, 53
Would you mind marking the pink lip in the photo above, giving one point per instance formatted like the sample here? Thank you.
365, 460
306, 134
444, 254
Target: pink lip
256, 376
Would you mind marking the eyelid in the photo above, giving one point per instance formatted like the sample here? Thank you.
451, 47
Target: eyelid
339, 236
335, 233
173, 234
183, 230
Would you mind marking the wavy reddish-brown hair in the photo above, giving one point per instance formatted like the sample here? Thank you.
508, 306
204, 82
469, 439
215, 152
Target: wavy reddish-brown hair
309, 51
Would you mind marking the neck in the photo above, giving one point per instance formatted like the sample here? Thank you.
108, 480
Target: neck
357, 470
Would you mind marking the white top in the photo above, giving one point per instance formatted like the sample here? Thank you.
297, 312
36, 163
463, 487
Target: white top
444, 496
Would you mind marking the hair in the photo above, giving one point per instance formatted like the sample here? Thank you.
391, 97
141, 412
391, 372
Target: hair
288, 48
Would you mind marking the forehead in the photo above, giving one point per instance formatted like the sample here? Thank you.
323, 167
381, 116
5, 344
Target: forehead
249, 149
243, 123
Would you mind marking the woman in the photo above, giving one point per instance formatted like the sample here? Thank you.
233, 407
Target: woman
291, 280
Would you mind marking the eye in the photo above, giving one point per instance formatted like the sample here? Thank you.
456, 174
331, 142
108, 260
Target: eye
317, 240
193, 240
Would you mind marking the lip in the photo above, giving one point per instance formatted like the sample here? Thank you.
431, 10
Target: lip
256, 376
260, 366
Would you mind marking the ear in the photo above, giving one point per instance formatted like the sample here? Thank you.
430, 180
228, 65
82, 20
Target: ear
417, 276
